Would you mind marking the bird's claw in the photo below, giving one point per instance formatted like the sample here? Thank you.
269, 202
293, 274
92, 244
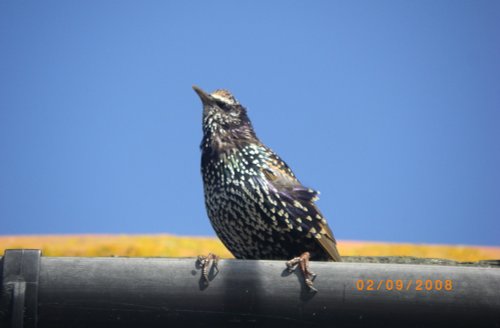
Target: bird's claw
290, 265
204, 262
303, 263
310, 285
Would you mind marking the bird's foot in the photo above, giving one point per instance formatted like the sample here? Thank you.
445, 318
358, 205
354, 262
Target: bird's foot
204, 262
303, 263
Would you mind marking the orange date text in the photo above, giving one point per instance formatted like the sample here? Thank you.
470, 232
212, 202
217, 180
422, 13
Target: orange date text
404, 285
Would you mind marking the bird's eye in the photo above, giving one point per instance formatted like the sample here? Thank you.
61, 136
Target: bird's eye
222, 105
231, 110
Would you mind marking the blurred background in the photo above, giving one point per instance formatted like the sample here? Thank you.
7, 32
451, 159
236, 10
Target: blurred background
391, 109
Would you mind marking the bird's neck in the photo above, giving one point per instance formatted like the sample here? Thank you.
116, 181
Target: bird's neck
223, 143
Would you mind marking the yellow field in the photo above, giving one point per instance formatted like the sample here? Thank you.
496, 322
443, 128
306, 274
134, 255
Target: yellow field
174, 246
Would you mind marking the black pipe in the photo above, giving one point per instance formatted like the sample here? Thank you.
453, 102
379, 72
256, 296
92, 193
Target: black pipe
165, 292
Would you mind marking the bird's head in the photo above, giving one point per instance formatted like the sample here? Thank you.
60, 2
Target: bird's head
225, 120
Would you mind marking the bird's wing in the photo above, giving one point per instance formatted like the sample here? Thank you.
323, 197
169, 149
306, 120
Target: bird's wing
292, 204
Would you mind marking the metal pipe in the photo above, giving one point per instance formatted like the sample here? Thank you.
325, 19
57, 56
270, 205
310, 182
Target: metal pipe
161, 292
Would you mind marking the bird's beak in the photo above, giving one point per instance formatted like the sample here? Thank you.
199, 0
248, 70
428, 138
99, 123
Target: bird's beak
205, 97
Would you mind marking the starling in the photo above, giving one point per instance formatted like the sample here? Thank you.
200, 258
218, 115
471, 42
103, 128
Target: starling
256, 205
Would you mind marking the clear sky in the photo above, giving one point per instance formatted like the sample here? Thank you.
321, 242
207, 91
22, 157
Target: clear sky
390, 108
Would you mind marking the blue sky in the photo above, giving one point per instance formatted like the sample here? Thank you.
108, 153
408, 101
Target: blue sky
390, 108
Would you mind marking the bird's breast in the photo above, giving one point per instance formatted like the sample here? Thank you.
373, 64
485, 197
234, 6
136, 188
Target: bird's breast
232, 186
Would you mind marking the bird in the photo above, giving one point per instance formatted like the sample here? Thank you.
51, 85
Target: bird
256, 205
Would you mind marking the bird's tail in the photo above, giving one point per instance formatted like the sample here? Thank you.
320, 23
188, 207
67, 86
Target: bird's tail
329, 244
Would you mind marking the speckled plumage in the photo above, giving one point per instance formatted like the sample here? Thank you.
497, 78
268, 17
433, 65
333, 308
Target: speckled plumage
257, 206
